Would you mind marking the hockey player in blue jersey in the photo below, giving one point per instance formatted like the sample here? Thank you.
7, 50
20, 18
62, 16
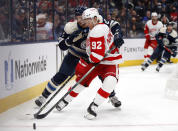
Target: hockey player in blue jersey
166, 39
73, 39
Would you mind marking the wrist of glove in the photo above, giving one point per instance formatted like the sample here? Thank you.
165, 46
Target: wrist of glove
118, 41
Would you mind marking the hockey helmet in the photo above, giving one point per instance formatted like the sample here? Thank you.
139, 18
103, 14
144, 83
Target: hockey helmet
90, 13
154, 14
79, 10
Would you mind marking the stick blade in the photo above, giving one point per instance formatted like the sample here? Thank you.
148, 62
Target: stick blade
39, 116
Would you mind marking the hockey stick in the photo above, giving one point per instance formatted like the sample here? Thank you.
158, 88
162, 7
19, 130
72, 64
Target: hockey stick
40, 116
42, 108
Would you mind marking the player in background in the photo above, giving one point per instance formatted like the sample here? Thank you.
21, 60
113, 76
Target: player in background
99, 41
166, 39
73, 39
152, 27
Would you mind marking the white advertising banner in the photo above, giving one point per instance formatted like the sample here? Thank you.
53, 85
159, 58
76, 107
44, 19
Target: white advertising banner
24, 66
133, 49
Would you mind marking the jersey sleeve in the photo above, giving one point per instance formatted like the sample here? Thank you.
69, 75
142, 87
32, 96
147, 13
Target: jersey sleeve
61, 41
146, 29
97, 49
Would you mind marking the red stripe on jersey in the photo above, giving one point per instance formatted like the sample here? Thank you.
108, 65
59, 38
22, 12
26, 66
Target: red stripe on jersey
146, 29
111, 45
113, 58
103, 93
73, 94
94, 59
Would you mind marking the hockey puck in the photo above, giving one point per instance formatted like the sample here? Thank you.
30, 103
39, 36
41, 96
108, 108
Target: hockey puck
34, 126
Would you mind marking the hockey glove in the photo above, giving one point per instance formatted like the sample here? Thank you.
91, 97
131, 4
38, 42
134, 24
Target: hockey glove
118, 41
70, 40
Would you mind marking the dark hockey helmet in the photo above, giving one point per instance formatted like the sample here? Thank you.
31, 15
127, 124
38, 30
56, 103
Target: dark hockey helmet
79, 10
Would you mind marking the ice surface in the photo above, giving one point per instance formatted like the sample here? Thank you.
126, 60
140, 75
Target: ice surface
144, 107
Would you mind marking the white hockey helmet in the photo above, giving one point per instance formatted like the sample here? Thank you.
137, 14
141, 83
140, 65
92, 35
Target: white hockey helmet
154, 14
90, 13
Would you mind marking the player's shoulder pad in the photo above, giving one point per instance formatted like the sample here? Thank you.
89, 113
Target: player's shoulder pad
173, 34
70, 27
148, 22
159, 22
99, 30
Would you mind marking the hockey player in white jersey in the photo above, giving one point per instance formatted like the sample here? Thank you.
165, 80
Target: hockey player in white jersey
73, 39
152, 27
99, 41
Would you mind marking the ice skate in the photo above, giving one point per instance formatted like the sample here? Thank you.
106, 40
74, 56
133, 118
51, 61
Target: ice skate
61, 105
114, 101
40, 101
91, 111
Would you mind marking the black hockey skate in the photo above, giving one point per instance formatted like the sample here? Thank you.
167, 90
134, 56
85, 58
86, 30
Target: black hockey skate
157, 69
114, 101
40, 101
159, 66
91, 111
62, 105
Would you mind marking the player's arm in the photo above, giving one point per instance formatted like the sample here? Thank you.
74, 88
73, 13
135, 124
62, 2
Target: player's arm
62, 45
97, 49
146, 32
117, 32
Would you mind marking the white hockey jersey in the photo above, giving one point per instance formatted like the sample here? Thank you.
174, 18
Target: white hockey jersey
99, 42
45, 32
152, 29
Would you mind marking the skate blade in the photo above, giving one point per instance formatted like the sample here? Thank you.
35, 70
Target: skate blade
89, 116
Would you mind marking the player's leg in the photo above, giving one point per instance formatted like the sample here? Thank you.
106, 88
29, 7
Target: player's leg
110, 75
81, 69
163, 60
112, 97
147, 44
155, 54
67, 69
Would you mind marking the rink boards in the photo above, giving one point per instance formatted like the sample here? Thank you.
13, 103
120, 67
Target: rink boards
25, 69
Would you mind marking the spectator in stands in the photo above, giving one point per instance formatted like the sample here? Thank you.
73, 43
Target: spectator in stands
44, 28
164, 20
173, 14
19, 26
4, 26
147, 17
136, 28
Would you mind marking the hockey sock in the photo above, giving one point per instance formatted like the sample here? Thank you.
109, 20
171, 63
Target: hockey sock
74, 93
103, 93
50, 88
